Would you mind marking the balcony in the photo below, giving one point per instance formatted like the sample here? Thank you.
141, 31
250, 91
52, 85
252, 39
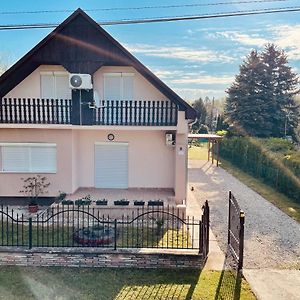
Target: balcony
66, 111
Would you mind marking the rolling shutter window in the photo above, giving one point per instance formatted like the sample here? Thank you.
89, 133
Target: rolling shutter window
35, 159
55, 85
62, 90
127, 87
112, 87
15, 159
118, 86
47, 86
43, 159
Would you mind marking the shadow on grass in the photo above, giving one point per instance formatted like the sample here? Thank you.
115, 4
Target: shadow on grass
92, 283
230, 282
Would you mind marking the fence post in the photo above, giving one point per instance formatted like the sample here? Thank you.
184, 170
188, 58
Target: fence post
207, 226
30, 233
229, 217
115, 245
241, 242
201, 237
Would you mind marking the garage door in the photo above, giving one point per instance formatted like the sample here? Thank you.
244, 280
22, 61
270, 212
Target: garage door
111, 165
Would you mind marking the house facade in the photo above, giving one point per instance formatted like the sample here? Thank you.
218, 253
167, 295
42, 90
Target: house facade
124, 128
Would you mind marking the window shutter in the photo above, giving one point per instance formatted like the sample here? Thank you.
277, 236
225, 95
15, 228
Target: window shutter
47, 86
112, 86
127, 87
15, 159
62, 86
43, 159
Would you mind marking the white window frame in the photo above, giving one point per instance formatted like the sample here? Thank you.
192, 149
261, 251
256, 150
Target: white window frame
29, 145
54, 74
118, 74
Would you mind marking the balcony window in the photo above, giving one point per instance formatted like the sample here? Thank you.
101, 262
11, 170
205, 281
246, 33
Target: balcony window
118, 86
55, 85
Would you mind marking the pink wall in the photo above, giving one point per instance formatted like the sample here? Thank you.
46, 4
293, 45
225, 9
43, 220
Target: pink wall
151, 162
10, 183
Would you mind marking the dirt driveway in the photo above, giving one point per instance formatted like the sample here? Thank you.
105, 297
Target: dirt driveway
272, 239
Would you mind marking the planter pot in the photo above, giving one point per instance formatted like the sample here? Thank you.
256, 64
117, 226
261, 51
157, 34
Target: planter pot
139, 203
67, 202
33, 208
82, 202
155, 203
101, 202
122, 202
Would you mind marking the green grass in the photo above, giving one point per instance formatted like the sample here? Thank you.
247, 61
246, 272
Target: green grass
284, 203
196, 153
119, 284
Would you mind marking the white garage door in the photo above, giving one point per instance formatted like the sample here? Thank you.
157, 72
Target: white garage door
111, 165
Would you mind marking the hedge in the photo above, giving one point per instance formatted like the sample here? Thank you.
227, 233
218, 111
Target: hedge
255, 157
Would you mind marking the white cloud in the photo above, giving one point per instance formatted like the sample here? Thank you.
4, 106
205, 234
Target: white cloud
203, 79
193, 94
181, 53
242, 38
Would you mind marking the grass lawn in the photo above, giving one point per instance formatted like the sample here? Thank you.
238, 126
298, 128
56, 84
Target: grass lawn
120, 284
198, 152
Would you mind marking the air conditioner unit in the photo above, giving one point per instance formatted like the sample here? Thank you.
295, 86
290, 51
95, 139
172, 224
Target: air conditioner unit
80, 81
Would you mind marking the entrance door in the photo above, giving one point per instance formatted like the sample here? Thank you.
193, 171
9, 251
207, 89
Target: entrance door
111, 165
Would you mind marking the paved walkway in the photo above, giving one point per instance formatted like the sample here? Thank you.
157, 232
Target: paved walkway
272, 239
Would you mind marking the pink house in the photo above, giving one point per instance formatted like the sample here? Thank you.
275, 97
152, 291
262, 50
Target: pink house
82, 110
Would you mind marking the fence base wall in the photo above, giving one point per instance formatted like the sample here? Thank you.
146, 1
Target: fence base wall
133, 258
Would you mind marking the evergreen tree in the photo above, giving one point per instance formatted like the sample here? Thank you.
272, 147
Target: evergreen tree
245, 109
279, 90
260, 101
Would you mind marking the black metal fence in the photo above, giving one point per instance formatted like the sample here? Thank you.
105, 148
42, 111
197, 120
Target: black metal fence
236, 221
61, 111
85, 226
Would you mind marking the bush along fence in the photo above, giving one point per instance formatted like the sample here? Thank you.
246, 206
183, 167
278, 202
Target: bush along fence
83, 226
236, 221
249, 156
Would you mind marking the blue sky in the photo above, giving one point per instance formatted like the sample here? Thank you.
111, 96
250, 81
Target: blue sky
195, 58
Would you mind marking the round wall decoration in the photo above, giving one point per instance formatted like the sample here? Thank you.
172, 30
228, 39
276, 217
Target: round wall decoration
110, 137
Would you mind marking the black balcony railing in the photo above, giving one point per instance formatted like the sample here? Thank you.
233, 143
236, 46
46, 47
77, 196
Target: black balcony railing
61, 111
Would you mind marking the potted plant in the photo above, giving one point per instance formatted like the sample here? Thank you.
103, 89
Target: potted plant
61, 197
121, 202
33, 188
33, 206
101, 202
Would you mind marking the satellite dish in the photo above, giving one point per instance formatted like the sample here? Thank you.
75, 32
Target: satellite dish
76, 81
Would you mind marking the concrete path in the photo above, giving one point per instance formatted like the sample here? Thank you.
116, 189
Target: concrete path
272, 239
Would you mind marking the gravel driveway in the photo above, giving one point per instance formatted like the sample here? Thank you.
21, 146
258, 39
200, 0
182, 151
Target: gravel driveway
272, 239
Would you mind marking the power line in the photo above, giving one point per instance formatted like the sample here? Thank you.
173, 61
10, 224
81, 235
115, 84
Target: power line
163, 19
141, 7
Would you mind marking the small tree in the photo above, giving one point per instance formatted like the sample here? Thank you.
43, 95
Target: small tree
35, 186
199, 106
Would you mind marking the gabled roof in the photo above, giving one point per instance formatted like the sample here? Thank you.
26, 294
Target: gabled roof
82, 46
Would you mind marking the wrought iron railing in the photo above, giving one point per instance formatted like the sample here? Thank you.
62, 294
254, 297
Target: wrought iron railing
85, 226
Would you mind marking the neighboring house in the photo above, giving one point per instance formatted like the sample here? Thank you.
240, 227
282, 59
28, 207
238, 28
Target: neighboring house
124, 129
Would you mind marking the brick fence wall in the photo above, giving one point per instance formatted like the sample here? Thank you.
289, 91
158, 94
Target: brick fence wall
70, 257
